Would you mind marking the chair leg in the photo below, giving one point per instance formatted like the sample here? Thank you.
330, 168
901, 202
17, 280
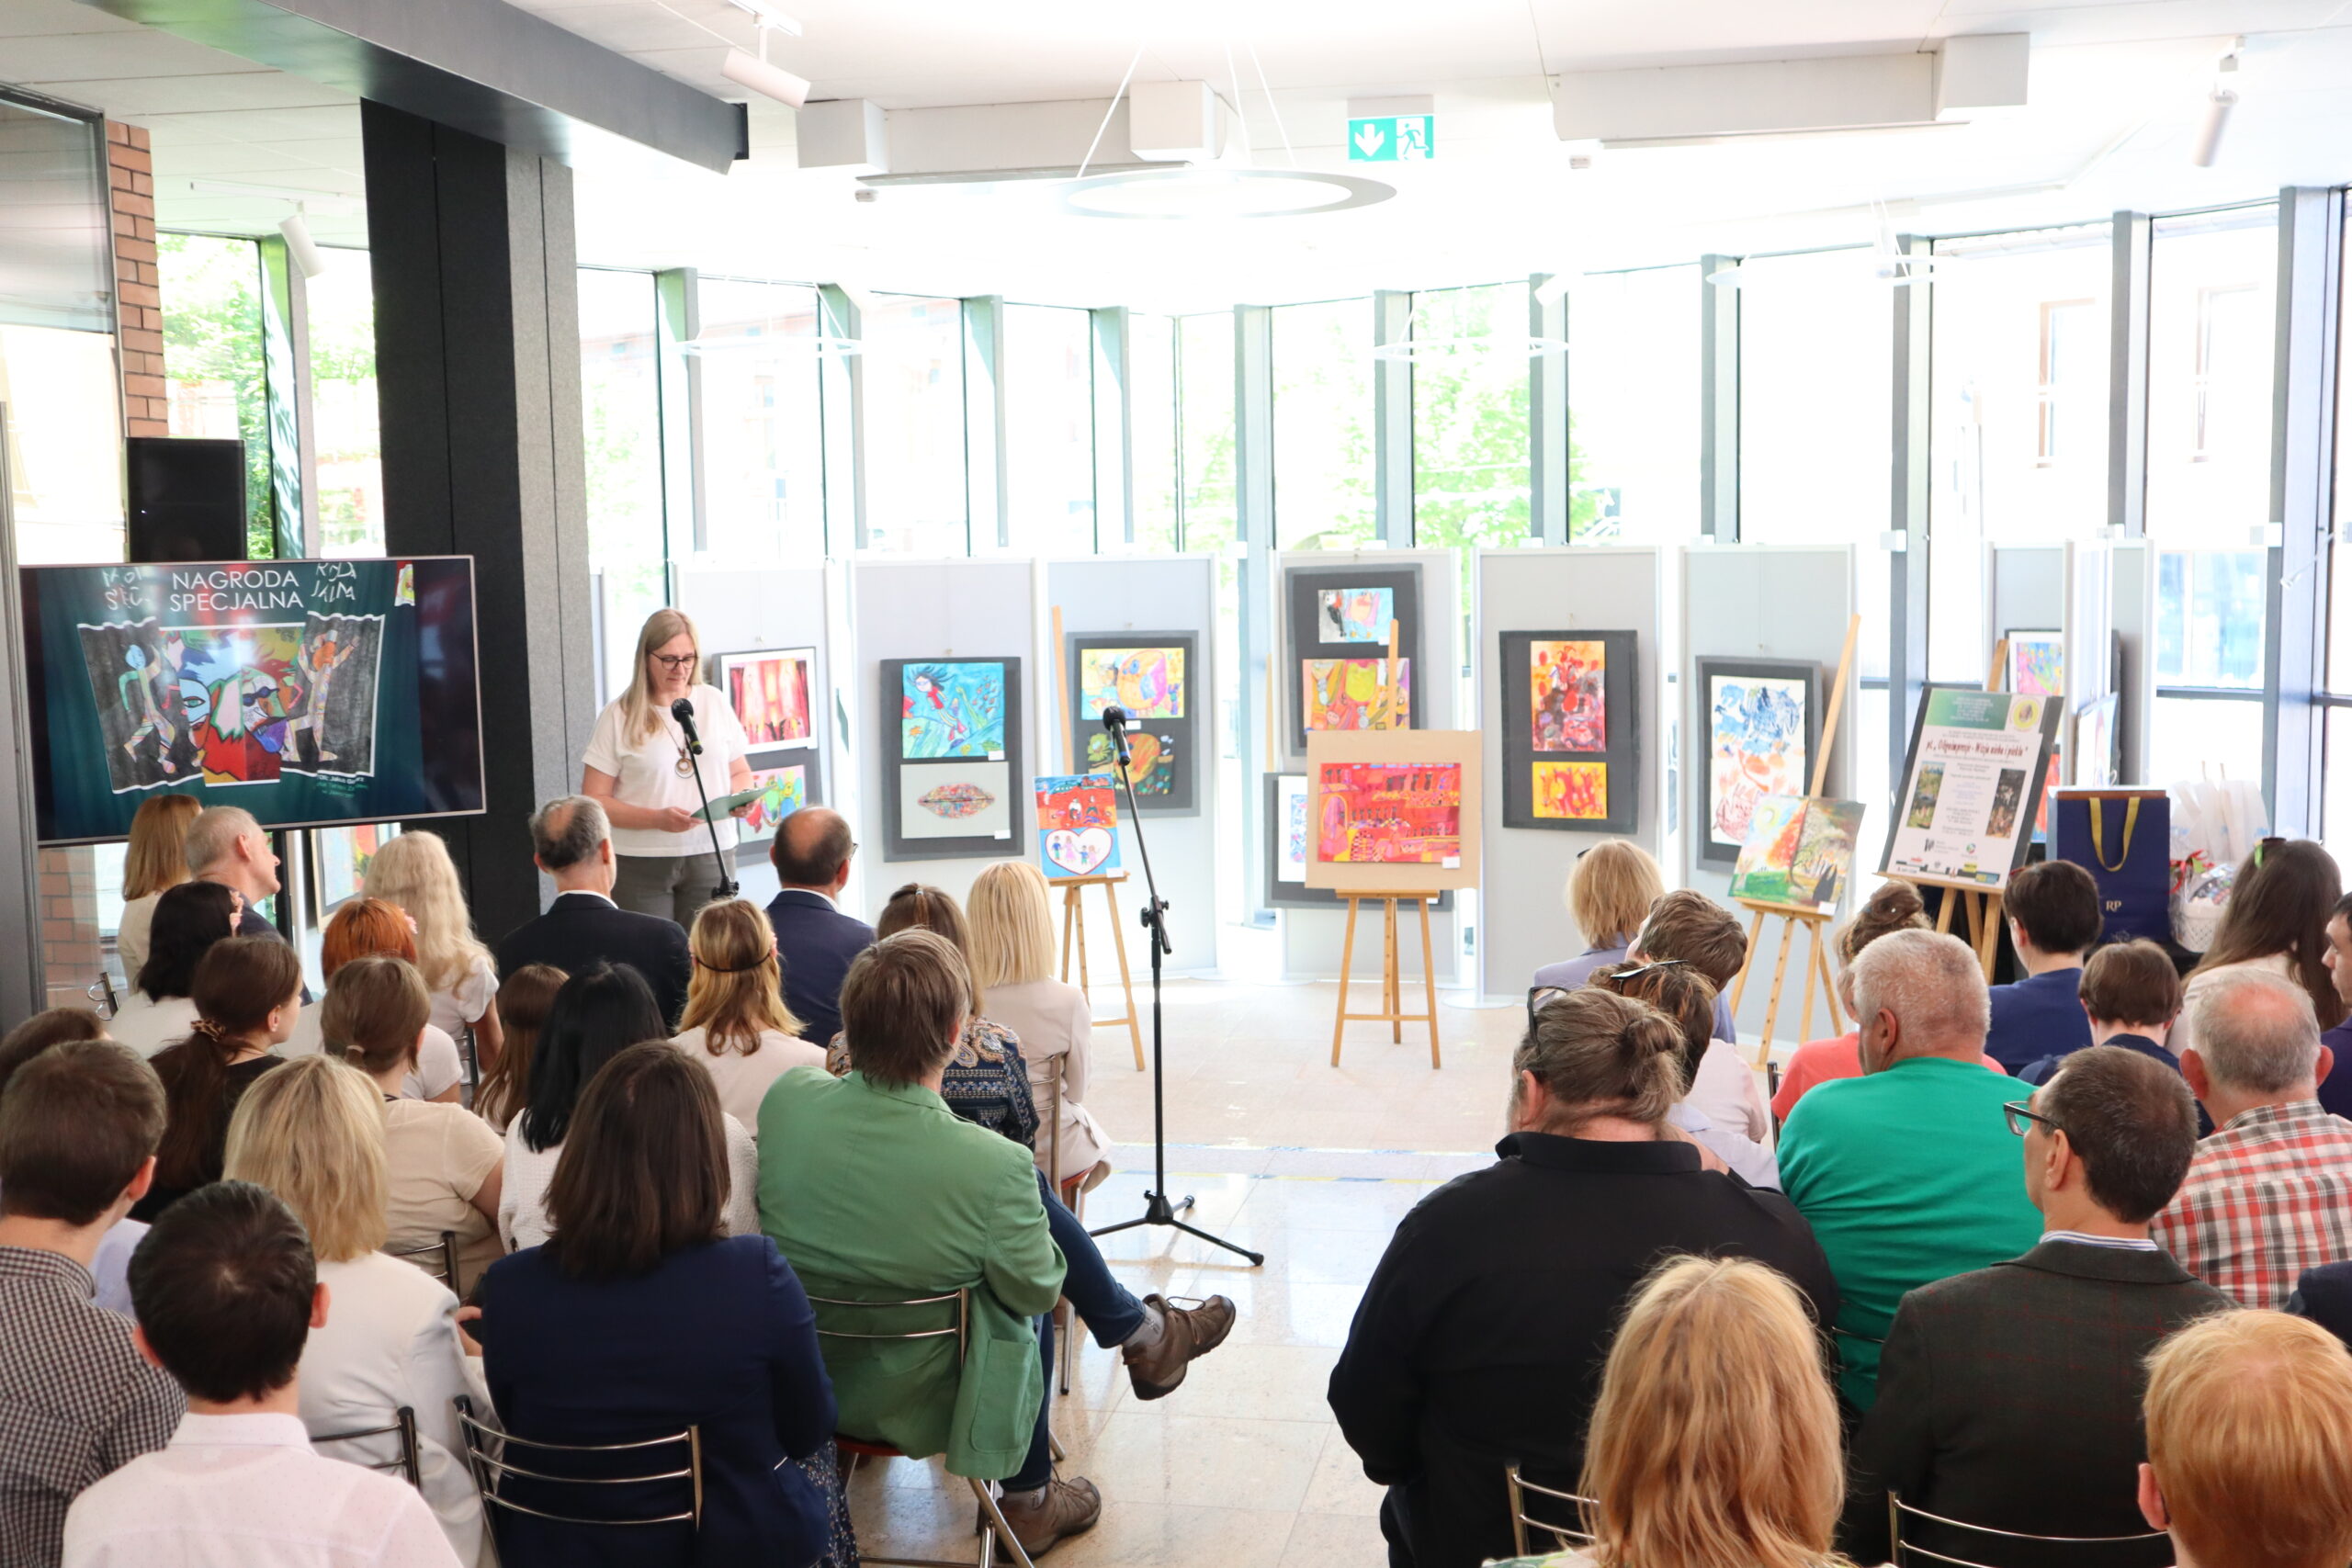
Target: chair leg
999, 1530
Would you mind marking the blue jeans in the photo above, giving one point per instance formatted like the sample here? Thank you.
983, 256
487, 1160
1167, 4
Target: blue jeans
1109, 1309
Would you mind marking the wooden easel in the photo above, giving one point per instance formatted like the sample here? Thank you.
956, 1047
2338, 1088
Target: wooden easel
1984, 906
1074, 934
1392, 988
1814, 921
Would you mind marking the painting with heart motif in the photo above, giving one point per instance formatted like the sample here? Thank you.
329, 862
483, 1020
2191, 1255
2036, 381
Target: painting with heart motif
1078, 825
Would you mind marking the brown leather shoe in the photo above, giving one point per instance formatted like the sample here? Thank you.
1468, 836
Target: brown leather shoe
1187, 1333
1042, 1518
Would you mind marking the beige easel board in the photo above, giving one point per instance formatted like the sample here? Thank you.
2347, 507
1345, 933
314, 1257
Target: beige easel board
1454, 747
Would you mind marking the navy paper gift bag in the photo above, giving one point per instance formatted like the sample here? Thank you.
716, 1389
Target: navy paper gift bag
2124, 837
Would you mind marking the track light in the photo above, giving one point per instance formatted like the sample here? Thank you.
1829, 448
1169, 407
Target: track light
2218, 105
768, 15
770, 81
307, 256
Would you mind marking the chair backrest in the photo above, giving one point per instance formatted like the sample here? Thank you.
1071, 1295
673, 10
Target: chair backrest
960, 1329
438, 1259
1521, 1520
404, 1426
488, 1452
1983, 1543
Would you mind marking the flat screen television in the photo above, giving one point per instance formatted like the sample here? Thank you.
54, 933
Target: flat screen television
311, 693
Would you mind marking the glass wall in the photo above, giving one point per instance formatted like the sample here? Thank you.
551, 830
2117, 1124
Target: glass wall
1471, 468
763, 493
913, 366
1151, 417
1633, 407
1048, 390
1205, 477
1323, 475
2211, 320
212, 359
343, 407
620, 398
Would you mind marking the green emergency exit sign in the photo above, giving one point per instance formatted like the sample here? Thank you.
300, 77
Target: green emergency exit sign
1393, 138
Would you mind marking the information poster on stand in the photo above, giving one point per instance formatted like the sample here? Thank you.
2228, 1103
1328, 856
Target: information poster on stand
1971, 786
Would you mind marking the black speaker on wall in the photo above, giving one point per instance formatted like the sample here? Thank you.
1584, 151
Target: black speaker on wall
187, 498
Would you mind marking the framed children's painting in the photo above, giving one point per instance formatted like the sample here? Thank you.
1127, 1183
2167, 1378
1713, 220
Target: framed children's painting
1393, 811
1339, 620
1572, 730
952, 761
770, 690
1155, 677
1762, 720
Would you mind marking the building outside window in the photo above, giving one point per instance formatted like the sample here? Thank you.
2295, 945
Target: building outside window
343, 407
213, 359
763, 483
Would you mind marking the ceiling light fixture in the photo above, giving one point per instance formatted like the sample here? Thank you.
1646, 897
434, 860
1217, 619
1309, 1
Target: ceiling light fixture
1178, 194
2219, 102
754, 71
768, 15
307, 257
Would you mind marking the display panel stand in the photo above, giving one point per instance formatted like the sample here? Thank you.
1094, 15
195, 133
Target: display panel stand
1983, 907
1814, 921
1392, 981
1074, 936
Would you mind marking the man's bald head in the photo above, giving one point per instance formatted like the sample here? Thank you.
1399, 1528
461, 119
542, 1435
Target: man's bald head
2256, 1035
812, 849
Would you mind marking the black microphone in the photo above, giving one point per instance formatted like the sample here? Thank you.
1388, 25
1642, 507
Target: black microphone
683, 712
1114, 719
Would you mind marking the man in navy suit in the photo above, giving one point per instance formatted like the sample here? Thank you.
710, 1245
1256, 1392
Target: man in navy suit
572, 842
814, 941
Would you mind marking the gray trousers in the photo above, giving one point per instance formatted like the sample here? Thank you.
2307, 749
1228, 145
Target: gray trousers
673, 887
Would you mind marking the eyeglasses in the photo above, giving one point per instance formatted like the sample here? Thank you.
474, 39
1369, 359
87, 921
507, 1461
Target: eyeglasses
1624, 975
674, 660
2016, 1109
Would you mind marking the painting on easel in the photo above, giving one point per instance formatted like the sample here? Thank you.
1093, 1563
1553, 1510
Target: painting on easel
1395, 812
1799, 852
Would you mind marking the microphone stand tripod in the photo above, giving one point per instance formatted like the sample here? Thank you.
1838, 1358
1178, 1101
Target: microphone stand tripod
726, 887
1157, 1209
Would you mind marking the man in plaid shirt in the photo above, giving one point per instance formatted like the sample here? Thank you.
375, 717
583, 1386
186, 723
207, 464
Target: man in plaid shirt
2270, 1192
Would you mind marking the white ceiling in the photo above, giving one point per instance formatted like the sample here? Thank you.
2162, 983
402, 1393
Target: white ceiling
2118, 88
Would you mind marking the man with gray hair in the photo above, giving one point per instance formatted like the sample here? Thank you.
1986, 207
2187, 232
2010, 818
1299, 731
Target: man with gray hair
226, 845
2269, 1194
1907, 1174
572, 842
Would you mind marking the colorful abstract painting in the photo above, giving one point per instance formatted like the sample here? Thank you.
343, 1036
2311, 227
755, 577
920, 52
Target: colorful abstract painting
1354, 615
1567, 690
1147, 681
1799, 852
1762, 870
2037, 664
1572, 791
1756, 748
769, 693
950, 709
1388, 813
1151, 761
783, 791
1344, 693
1078, 825
1293, 832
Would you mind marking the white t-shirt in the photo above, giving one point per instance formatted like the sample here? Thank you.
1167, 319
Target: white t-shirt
743, 1081
523, 1191
149, 1026
466, 1001
437, 1062
648, 774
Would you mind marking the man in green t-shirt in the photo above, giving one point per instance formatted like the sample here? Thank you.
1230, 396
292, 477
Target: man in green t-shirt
1907, 1174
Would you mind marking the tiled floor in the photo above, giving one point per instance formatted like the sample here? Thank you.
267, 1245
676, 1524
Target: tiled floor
1241, 1467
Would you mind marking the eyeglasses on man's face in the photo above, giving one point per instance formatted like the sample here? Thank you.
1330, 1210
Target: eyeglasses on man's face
2017, 1112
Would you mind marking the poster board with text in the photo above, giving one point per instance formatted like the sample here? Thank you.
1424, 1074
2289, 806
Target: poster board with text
1972, 785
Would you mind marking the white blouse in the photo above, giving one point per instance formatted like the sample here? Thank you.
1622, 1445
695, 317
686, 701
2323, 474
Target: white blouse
438, 1064
148, 1026
522, 1191
1056, 1028
465, 1002
647, 774
743, 1081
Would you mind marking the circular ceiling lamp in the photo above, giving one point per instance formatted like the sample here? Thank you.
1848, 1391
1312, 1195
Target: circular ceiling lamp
1165, 195
1435, 350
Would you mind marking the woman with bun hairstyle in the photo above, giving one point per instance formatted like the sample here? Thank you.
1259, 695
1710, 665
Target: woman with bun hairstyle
1895, 906
1481, 1337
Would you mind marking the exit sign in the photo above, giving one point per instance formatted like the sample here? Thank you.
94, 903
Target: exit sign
1392, 139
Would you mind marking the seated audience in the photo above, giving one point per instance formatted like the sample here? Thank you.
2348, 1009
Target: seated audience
2266, 1195
313, 1136
155, 862
2335, 1088
1611, 888
2130, 997
2325, 1296
985, 1080
641, 1317
65, 1026
595, 1015
1011, 954
736, 1024
1907, 1173
1683, 994
442, 1166
523, 1001
815, 940
2053, 1452
1479, 1339
878, 1192
79, 1124
572, 842
2055, 921
415, 873
248, 994
2249, 1420
2276, 921
187, 921
1712, 1351
227, 846
371, 928
1695, 928
227, 1294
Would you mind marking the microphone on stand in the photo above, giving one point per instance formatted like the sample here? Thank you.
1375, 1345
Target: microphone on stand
683, 710
1114, 719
